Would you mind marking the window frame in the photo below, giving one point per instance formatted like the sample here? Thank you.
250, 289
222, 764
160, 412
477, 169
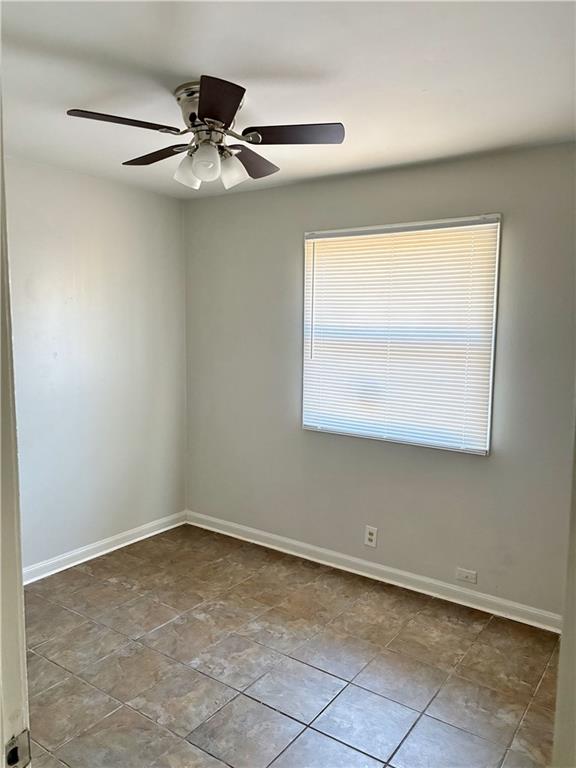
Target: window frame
484, 218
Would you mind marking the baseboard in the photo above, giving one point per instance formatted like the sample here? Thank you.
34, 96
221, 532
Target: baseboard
489, 603
80, 555
497, 605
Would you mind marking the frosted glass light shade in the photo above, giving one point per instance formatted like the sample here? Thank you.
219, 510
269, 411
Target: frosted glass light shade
185, 174
233, 172
206, 162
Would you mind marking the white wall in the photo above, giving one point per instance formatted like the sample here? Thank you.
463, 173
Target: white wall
99, 344
249, 461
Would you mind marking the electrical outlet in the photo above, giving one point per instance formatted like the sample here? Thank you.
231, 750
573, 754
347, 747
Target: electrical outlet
463, 574
370, 536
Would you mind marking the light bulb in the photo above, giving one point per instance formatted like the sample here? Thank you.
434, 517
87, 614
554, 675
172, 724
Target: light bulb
233, 172
185, 174
206, 162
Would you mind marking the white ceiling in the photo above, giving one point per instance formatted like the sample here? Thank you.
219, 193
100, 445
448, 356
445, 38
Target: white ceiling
410, 81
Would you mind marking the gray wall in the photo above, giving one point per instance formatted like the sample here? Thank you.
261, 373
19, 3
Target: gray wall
249, 461
564, 730
98, 291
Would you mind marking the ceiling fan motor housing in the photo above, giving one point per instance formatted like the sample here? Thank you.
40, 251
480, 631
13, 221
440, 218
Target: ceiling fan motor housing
187, 95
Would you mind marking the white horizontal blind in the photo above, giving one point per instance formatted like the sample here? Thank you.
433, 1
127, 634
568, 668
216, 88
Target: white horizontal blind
399, 332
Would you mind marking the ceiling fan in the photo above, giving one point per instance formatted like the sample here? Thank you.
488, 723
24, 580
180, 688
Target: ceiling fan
209, 107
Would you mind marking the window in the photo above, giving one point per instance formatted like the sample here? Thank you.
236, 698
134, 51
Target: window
399, 328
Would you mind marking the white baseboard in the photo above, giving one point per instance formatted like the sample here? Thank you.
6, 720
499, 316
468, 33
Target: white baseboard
489, 603
500, 606
80, 555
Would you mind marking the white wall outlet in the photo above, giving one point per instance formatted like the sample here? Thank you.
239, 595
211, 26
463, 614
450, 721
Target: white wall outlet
463, 574
370, 535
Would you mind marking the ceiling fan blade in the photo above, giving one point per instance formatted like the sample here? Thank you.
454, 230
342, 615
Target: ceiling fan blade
313, 133
121, 120
256, 165
219, 99
160, 154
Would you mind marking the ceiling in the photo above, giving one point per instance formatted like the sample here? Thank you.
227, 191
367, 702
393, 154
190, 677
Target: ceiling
411, 81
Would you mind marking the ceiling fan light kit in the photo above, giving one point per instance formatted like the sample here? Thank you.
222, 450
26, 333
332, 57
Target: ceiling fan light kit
232, 172
206, 161
209, 108
185, 174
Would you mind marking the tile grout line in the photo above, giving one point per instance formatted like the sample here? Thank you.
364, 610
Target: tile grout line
128, 706
532, 700
222, 594
238, 692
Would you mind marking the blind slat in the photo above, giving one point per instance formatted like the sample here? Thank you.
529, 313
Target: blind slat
399, 333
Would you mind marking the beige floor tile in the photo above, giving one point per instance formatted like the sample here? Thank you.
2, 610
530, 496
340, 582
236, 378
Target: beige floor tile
61, 585
114, 565
326, 596
500, 669
225, 574
182, 700
293, 571
42, 674
97, 597
129, 671
546, 692
228, 611
186, 564
514, 637
432, 744
124, 739
149, 574
155, 548
535, 736
254, 555
211, 590
40, 757
315, 601
65, 710
295, 689
185, 637
401, 679
314, 750
184, 533
430, 642
515, 759
246, 734
137, 617
36, 750
338, 653
459, 618
141, 573
494, 715
393, 602
343, 584
209, 547
281, 630
368, 623
236, 661
48, 761
367, 722
45, 620
180, 594
265, 589
185, 755
82, 646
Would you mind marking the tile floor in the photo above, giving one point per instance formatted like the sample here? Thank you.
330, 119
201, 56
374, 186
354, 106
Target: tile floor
195, 650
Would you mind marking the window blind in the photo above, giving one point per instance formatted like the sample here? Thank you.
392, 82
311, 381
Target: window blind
399, 326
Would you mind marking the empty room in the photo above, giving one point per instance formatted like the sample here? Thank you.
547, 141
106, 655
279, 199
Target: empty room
288, 385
